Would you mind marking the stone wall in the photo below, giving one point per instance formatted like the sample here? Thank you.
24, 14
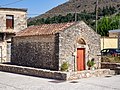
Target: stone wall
107, 65
34, 72
91, 73
3, 52
20, 23
55, 74
35, 51
20, 20
68, 44
111, 66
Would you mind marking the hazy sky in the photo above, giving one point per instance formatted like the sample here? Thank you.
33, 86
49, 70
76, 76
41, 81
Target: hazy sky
33, 6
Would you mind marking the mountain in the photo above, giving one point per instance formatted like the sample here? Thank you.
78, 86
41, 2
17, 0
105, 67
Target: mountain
72, 6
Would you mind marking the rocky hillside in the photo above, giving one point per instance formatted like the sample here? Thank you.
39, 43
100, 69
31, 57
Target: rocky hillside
78, 6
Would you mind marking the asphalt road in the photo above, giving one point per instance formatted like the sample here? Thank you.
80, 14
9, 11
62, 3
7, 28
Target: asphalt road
9, 81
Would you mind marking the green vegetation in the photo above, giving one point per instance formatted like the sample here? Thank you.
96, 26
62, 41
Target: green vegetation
64, 66
106, 11
106, 21
111, 59
90, 63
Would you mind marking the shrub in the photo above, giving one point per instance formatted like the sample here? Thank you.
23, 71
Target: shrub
64, 66
90, 63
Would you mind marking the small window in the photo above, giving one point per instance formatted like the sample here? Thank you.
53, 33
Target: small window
9, 21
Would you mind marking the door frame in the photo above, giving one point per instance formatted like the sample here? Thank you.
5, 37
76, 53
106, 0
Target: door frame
84, 58
8, 53
1, 54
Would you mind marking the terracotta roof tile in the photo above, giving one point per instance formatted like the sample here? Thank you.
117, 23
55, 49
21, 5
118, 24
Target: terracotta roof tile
44, 29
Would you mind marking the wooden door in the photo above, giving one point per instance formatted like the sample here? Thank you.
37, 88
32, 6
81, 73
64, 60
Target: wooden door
80, 59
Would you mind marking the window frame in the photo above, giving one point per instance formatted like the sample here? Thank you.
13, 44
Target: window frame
9, 21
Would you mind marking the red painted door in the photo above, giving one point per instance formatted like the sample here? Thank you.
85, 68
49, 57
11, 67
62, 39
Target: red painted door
80, 59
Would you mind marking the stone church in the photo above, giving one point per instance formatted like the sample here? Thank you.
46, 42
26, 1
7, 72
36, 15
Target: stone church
48, 46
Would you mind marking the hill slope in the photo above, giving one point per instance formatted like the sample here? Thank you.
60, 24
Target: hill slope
78, 6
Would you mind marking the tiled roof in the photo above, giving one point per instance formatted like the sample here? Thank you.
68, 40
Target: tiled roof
44, 29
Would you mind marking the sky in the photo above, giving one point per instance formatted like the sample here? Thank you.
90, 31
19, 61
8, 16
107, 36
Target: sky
35, 7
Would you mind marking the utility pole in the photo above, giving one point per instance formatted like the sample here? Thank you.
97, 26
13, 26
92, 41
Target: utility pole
119, 23
119, 33
75, 16
75, 12
96, 9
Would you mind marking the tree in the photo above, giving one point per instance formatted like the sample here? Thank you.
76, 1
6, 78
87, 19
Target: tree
108, 23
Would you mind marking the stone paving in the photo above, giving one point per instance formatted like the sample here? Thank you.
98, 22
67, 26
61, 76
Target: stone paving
10, 81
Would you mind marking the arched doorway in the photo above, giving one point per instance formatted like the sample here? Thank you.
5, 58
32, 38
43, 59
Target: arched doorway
81, 55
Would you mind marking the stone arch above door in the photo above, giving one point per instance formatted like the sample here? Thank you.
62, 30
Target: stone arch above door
81, 41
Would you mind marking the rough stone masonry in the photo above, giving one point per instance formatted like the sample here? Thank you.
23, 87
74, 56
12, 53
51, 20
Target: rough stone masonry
49, 51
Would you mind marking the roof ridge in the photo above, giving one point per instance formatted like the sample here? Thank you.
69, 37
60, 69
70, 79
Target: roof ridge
20, 9
53, 23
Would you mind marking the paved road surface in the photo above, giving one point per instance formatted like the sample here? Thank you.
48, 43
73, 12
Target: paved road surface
9, 81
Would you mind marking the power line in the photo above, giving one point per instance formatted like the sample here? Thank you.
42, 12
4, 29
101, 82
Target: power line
11, 3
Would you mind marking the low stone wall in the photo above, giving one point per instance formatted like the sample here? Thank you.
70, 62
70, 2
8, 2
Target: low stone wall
91, 73
55, 74
107, 65
117, 70
33, 71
